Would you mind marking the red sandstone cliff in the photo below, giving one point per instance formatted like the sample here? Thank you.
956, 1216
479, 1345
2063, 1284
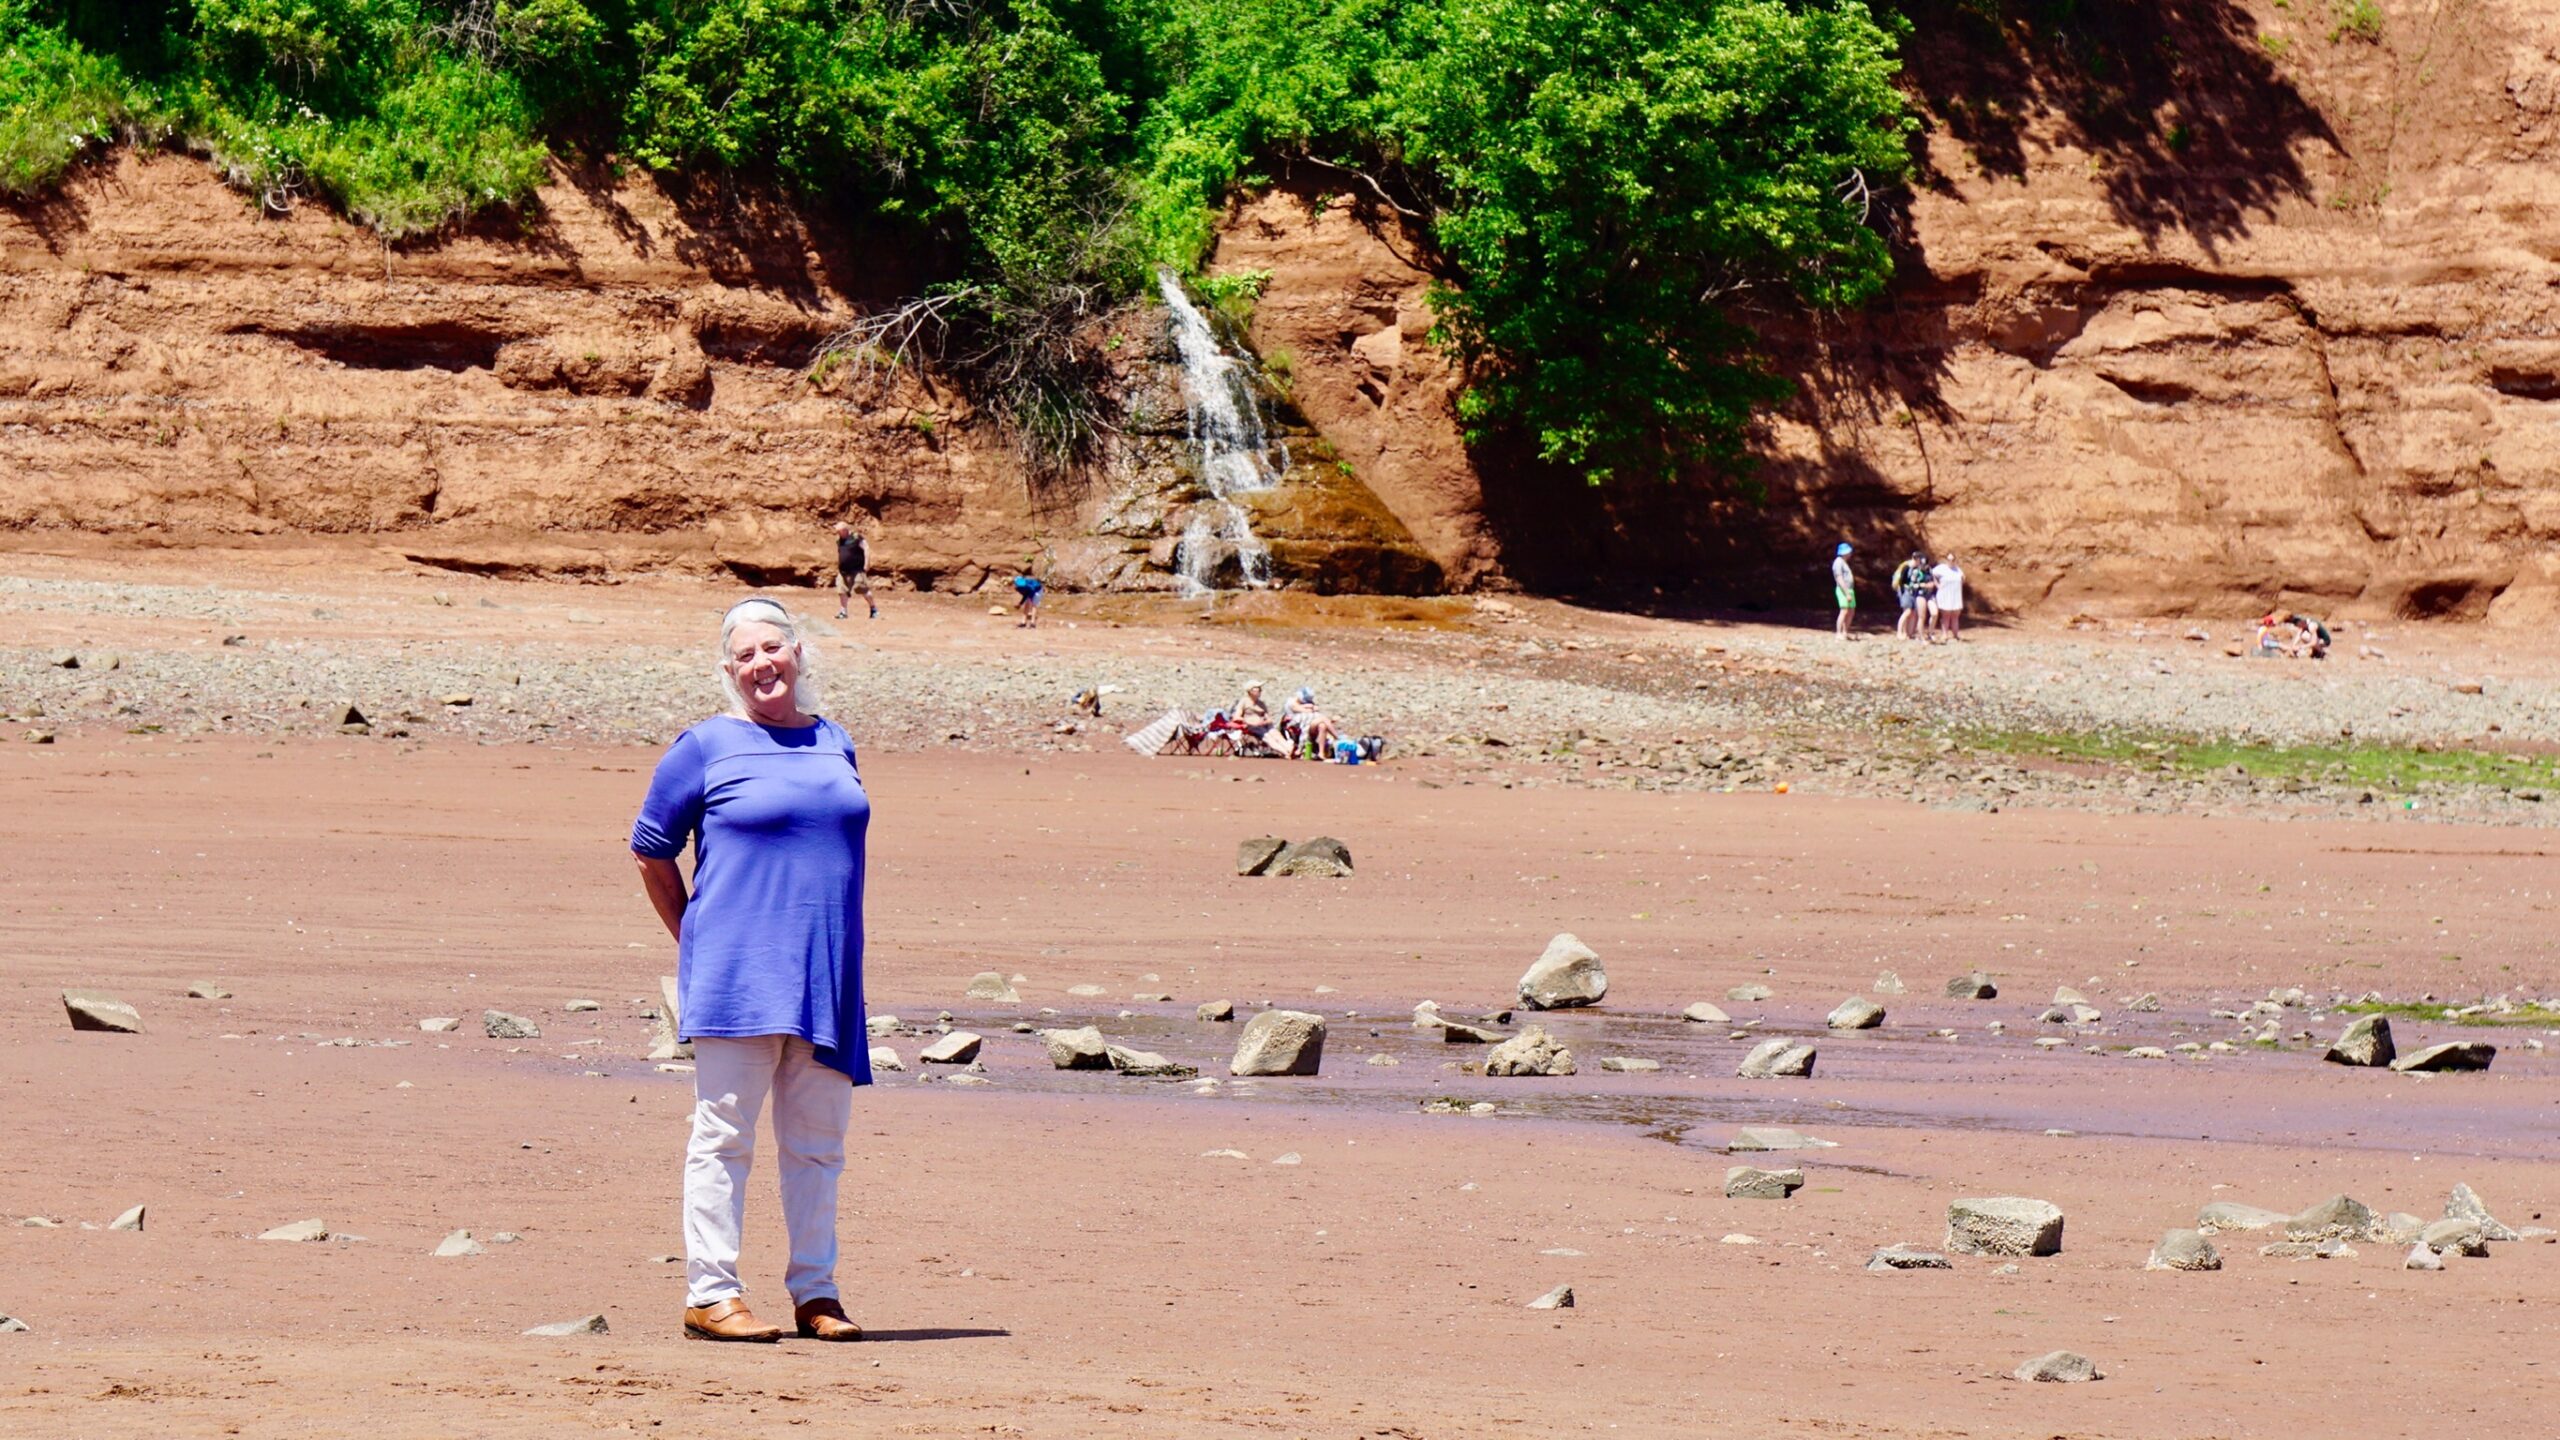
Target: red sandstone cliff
2257, 311
2209, 304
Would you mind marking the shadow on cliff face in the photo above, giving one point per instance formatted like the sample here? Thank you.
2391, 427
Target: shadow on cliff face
2180, 100
2194, 131
1757, 544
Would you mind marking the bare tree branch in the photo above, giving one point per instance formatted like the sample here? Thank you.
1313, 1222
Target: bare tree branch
1854, 191
1367, 179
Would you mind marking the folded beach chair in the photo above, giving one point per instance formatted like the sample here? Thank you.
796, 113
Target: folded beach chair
1164, 735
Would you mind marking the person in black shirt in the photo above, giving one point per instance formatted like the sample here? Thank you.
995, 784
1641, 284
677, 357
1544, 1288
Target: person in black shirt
853, 571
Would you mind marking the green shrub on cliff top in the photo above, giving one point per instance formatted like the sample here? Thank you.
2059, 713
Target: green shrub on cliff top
57, 101
1607, 182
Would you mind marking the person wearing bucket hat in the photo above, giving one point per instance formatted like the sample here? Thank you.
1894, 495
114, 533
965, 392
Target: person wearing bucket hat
1844, 590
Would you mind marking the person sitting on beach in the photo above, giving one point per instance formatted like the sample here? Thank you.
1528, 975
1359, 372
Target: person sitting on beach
2311, 638
1252, 714
2281, 636
1307, 725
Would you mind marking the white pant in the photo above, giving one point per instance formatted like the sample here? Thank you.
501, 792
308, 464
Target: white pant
812, 1106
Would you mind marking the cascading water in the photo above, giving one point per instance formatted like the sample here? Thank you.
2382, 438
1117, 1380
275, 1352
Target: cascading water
1236, 455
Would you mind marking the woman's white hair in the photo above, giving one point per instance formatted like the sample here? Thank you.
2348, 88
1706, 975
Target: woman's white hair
804, 691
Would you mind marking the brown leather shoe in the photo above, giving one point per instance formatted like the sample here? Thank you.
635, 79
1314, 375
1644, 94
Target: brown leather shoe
729, 1320
824, 1319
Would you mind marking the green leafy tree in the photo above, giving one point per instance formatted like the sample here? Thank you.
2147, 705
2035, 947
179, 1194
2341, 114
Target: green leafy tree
1620, 176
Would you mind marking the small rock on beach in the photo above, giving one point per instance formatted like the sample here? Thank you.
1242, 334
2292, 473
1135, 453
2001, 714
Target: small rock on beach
2061, 1367
92, 1010
1254, 856
2336, 1218
1082, 1049
1560, 1298
957, 1048
1567, 974
2464, 1205
2366, 1041
2451, 1055
1905, 1257
1776, 1059
1749, 1182
2184, 1250
1280, 1042
583, 1325
2230, 1215
1323, 858
2004, 1225
1855, 1013
1754, 1138
499, 1025
300, 1230
1531, 1052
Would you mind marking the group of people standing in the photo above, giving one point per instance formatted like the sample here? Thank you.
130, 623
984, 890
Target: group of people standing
1931, 597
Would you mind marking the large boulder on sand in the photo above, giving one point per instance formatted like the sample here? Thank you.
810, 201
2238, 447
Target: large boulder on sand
2366, 1041
1280, 1042
1568, 974
1531, 1052
1776, 1059
2004, 1225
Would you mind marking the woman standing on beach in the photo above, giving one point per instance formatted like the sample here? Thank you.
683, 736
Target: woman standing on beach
769, 964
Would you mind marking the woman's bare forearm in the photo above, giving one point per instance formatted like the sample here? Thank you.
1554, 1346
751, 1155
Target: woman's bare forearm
665, 886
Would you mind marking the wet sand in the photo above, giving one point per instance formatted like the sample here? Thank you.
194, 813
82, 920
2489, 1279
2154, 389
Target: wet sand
1054, 1255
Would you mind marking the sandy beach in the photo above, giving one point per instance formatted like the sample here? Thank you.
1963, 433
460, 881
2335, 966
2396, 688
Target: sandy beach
1071, 1253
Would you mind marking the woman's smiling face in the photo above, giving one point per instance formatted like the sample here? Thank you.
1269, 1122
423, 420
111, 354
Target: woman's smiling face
766, 666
